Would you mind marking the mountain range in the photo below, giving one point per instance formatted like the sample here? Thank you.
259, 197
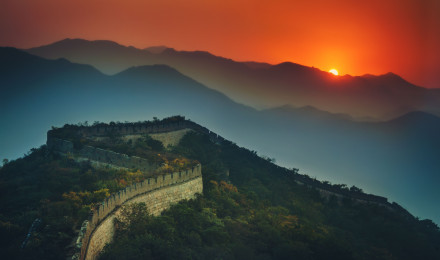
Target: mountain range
395, 158
261, 85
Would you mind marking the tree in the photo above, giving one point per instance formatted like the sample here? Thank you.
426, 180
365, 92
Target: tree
356, 189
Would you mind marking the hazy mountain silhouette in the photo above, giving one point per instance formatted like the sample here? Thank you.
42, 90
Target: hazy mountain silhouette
396, 158
41, 93
307, 112
261, 85
156, 49
417, 119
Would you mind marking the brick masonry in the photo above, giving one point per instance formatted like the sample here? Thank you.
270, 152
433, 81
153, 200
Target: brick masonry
158, 193
156, 201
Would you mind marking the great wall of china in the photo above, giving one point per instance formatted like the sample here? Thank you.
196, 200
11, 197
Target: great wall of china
157, 193
160, 192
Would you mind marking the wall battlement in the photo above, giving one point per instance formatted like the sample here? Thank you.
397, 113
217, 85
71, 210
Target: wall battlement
100, 155
102, 129
151, 127
158, 193
150, 184
327, 190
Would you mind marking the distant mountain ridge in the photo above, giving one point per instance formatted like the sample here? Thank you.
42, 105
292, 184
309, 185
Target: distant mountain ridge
396, 159
261, 85
308, 112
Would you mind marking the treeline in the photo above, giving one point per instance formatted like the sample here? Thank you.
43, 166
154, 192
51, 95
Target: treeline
257, 212
154, 122
144, 147
58, 193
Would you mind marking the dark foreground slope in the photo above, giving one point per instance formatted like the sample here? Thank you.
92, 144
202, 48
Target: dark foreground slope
45, 197
396, 159
252, 210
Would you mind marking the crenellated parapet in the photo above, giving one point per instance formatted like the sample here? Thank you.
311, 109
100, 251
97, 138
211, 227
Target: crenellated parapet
98, 156
165, 189
138, 128
157, 192
150, 184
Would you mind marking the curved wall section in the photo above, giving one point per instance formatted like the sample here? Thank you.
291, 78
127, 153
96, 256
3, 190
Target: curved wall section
158, 194
156, 201
100, 155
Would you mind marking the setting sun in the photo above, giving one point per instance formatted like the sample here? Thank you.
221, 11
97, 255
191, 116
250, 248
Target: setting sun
334, 72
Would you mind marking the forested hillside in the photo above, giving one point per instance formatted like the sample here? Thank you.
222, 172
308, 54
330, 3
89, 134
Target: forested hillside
251, 210
45, 197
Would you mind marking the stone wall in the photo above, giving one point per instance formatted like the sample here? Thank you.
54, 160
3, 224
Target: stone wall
327, 190
158, 193
170, 138
167, 139
130, 129
100, 156
135, 129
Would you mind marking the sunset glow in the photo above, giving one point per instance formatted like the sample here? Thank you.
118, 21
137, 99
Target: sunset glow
334, 72
374, 37
315, 124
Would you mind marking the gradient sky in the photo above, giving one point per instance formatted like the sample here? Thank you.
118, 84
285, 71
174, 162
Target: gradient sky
355, 37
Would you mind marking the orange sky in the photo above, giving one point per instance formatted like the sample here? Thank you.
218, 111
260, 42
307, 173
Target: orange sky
356, 37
